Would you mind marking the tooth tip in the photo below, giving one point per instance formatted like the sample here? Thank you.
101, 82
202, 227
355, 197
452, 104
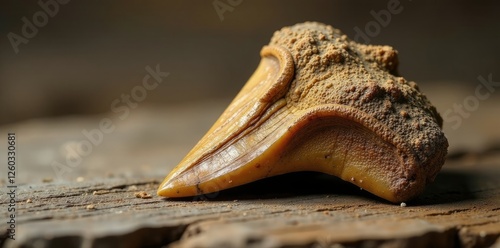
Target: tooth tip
161, 191
174, 187
166, 188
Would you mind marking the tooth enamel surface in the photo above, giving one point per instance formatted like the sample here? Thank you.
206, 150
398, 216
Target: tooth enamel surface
319, 101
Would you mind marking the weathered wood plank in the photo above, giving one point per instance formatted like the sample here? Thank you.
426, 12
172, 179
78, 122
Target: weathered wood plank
461, 208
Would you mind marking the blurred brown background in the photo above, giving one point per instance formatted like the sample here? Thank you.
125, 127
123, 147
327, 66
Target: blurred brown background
91, 52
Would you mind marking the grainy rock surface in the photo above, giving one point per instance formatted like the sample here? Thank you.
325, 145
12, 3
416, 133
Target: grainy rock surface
330, 68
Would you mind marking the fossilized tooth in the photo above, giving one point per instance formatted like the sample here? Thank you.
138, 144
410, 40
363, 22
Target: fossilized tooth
320, 102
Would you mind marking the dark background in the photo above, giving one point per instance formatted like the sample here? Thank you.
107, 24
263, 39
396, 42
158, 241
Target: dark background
91, 52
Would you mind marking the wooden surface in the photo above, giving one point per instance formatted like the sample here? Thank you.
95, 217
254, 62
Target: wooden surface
94, 203
461, 208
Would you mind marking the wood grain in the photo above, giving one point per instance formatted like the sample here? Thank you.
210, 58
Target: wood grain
461, 208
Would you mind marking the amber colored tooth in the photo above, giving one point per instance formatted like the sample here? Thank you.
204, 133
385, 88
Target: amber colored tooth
228, 145
319, 102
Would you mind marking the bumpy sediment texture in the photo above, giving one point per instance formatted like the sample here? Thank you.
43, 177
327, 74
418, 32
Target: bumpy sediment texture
340, 71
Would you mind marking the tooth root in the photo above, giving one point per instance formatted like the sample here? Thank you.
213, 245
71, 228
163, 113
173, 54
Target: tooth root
344, 149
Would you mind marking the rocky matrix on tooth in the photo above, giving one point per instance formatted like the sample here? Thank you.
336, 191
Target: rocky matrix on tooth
319, 101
